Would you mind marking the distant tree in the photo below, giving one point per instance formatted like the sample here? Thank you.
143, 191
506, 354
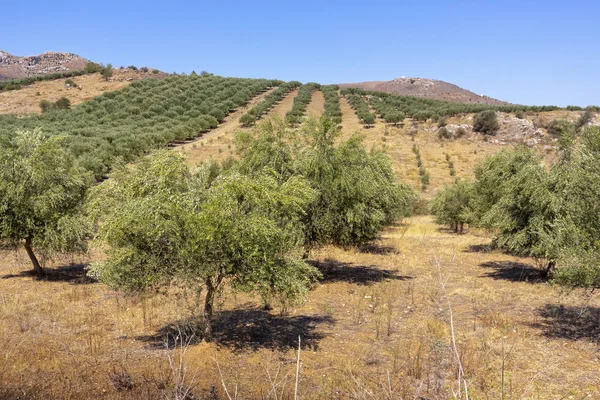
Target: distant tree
394, 118
486, 122
164, 224
62, 104
132, 67
368, 119
585, 118
107, 72
45, 105
92, 67
42, 192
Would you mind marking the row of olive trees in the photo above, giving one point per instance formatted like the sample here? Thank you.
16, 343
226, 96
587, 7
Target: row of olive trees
247, 223
332, 103
361, 108
267, 103
304, 96
145, 115
550, 214
391, 105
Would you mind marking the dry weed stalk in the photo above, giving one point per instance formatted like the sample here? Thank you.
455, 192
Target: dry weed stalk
461, 380
182, 389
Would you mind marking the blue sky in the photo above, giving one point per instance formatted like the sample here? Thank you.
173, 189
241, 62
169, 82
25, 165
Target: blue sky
529, 52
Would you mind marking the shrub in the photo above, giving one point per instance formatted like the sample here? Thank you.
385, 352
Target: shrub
107, 72
453, 205
62, 104
460, 132
486, 122
444, 133
519, 114
93, 67
45, 105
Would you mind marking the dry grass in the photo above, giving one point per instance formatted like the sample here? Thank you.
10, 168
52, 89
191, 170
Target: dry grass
376, 326
27, 100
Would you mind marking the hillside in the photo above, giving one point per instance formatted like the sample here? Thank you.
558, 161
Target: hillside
426, 88
12, 67
27, 99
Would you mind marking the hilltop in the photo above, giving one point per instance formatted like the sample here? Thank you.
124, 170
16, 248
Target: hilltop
13, 67
426, 88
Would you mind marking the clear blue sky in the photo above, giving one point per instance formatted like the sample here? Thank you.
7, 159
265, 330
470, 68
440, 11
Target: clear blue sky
529, 52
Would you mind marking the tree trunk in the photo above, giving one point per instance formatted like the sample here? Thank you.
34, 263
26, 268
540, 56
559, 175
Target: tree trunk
462, 227
208, 309
549, 269
37, 268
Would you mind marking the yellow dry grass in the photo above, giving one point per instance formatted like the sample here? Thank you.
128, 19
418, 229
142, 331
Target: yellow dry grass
377, 323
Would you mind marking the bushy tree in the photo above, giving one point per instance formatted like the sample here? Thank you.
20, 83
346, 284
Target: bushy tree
357, 191
513, 198
453, 205
42, 191
486, 122
92, 67
107, 72
577, 182
164, 224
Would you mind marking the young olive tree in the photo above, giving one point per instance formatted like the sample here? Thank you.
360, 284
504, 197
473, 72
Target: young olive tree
42, 191
164, 224
453, 205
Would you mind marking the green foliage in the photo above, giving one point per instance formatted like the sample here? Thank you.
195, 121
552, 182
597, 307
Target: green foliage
92, 68
357, 192
519, 114
577, 229
107, 72
424, 109
148, 114
257, 112
15, 84
444, 133
70, 82
304, 96
42, 190
514, 198
332, 103
486, 122
360, 106
163, 224
453, 205
61, 104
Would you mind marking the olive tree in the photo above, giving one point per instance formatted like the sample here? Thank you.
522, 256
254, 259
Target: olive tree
357, 193
42, 191
513, 197
453, 205
578, 227
163, 224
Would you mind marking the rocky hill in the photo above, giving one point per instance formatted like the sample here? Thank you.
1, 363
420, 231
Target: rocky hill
12, 67
427, 88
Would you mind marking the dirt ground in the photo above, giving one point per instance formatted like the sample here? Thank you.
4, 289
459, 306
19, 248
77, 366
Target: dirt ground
395, 319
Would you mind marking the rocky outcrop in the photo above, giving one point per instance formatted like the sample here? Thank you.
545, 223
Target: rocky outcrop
12, 67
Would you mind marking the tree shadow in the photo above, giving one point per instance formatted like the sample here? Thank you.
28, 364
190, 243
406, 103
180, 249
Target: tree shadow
74, 274
373, 248
245, 329
479, 248
336, 271
513, 271
570, 322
